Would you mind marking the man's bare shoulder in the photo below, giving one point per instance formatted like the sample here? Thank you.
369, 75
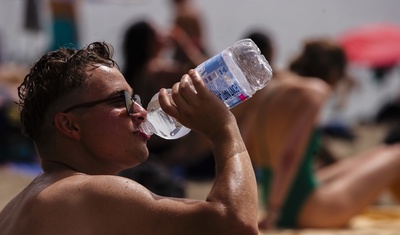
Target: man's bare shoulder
78, 199
92, 189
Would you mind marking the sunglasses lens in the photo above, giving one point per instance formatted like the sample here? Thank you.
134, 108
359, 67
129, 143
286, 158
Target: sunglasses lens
128, 103
137, 99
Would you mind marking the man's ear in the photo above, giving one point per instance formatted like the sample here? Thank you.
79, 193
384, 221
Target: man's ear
67, 126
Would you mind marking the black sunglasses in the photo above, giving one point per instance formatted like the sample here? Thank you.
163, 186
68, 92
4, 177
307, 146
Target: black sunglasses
128, 100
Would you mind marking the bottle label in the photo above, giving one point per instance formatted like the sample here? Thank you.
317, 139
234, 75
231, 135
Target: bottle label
219, 79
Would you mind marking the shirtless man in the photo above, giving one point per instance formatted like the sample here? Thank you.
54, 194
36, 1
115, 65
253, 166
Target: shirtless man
77, 108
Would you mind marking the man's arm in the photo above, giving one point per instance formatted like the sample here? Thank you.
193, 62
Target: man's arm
234, 194
115, 205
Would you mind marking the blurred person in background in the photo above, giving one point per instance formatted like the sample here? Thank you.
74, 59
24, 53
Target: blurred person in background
65, 23
145, 64
190, 49
188, 33
148, 67
15, 148
279, 127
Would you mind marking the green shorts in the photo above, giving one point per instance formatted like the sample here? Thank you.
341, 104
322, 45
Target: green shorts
303, 185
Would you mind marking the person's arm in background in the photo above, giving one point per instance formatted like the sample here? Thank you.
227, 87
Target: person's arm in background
186, 44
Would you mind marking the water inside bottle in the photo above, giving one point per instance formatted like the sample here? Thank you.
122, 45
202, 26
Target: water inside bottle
164, 125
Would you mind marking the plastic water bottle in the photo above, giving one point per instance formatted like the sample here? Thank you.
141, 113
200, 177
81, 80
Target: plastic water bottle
234, 75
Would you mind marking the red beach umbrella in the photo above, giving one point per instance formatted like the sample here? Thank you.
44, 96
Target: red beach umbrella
375, 45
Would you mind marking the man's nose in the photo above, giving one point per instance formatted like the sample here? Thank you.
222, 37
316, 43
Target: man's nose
139, 113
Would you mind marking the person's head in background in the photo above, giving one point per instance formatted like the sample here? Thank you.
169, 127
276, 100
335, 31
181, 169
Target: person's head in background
141, 42
321, 58
264, 41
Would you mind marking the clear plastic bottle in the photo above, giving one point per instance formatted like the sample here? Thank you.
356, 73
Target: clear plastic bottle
234, 75
160, 123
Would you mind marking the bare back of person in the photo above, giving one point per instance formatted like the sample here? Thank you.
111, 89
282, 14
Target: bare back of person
285, 89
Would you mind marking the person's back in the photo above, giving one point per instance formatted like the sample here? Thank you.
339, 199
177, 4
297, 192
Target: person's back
283, 91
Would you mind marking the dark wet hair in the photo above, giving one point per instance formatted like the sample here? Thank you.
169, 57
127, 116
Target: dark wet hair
320, 58
55, 75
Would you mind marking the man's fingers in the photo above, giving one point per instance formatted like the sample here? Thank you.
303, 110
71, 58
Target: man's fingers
196, 81
167, 104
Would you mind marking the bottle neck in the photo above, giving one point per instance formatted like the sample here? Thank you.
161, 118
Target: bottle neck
147, 128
